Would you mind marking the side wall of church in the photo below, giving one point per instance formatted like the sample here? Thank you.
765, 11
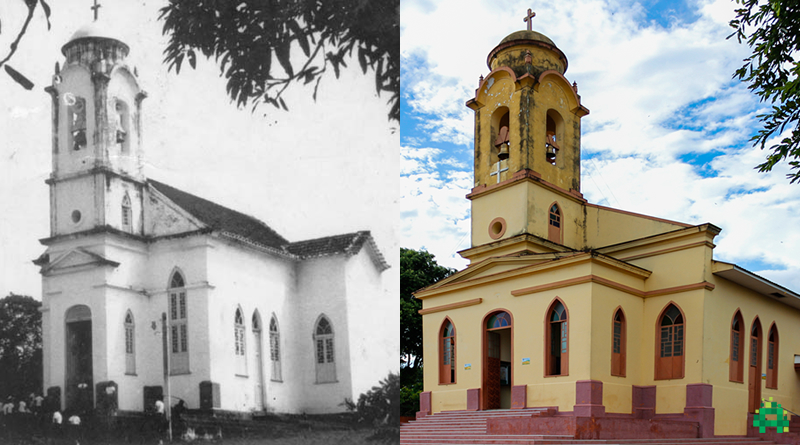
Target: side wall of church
321, 291
731, 398
190, 257
258, 283
371, 358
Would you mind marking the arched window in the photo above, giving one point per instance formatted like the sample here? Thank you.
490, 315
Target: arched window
239, 344
179, 331
772, 357
619, 344
130, 344
447, 353
557, 338
736, 372
324, 345
121, 125
501, 134
554, 224
127, 215
275, 349
670, 355
552, 136
754, 367
76, 121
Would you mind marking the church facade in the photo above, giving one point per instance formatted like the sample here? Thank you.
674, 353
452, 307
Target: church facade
589, 311
150, 291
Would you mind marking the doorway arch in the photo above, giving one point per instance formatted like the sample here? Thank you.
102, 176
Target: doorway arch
79, 379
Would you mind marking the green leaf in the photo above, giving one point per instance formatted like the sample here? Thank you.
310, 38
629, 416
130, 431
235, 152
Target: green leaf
19, 78
192, 59
282, 51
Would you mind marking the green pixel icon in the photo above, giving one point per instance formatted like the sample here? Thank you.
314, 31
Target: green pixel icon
768, 407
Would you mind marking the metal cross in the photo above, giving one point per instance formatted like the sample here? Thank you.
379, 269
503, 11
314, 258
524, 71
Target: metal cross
498, 171
95, 8
529, 19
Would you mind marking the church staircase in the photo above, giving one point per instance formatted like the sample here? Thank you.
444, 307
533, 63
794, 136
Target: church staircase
471, 428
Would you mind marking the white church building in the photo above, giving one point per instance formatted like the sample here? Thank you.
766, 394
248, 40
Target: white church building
251, 321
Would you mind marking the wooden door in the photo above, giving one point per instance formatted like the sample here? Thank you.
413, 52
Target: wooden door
491, 384
79, 382
754, 366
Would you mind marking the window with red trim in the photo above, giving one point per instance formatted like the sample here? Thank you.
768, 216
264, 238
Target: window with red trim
447, 353
736, 372
554, 224
618, 344
670, 351
772, 358
557, 348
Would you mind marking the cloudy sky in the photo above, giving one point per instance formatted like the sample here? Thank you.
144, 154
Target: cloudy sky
667, 135
323, 168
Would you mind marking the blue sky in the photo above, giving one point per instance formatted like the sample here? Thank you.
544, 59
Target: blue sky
667, 135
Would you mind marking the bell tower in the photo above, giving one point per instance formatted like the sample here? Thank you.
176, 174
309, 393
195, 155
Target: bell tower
527, 139
97, 159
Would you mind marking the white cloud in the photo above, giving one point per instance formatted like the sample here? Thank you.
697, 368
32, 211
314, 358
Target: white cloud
657, 95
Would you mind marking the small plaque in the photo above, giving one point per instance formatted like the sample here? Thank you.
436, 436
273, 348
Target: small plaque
467, 366
526, 361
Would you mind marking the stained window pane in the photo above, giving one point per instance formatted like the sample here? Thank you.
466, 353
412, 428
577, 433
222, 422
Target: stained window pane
173, 306
329, 350
771, 355
183, 338
175, 339
677, 344
183, 305
320, 352
735, 354
753, 352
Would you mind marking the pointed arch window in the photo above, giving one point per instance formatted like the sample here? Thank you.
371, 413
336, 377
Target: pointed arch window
447, 353
76, 121
619, 344
736, 372
557, 338
772, 358
670, 355
239, 342
130, 344
554, 224
324, 347
178, 325
275, 349
127, 214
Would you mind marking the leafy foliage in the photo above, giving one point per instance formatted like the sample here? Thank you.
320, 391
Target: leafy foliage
305, 38
380, 407
418, 269
20, 346
773, 74
14, 74
409, 397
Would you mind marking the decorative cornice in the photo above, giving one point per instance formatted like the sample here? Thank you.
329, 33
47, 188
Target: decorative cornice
613, 285
528, 176
446, 307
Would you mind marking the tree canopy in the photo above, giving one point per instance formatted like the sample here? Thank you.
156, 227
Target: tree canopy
263, 47
773, 74
418, 269
31, 6
20, 345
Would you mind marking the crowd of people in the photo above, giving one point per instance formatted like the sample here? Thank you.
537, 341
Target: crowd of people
43, 415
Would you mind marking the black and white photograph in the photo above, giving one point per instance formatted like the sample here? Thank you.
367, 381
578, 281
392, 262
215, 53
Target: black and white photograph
199, 236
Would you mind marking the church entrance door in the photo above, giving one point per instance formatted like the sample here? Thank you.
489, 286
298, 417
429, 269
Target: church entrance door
79, 385
754, 376
260, 405
497, 353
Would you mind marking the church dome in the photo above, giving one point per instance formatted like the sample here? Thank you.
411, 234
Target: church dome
511, 52
527, 35
96, 31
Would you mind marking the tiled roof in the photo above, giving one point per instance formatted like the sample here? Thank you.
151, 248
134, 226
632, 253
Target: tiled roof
222, 218
347, 244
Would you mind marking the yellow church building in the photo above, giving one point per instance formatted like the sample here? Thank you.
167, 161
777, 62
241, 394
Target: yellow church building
600, 323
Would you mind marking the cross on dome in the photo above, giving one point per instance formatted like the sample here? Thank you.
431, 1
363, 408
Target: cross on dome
528, 19
97, 6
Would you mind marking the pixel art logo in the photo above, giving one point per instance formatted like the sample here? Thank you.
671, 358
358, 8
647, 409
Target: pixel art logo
770, 408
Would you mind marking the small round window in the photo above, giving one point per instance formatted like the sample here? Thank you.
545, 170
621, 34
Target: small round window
497, 228
76, 216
